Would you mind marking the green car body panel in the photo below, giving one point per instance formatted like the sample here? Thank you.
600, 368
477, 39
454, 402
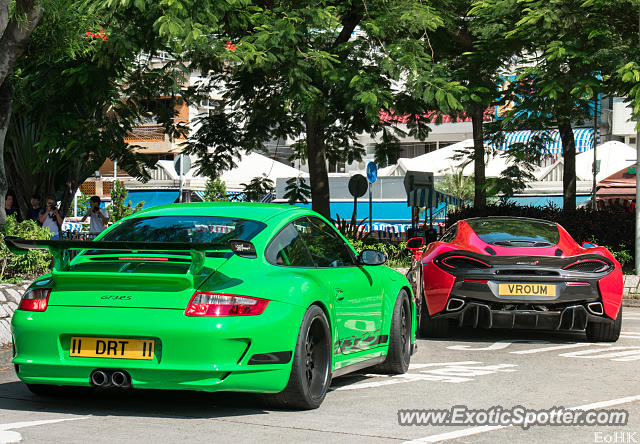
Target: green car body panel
93, 299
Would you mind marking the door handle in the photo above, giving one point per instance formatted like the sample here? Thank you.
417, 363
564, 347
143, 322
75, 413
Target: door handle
339, 294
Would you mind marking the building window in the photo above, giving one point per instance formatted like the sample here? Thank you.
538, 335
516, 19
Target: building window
211, 106
336, 167
411, 150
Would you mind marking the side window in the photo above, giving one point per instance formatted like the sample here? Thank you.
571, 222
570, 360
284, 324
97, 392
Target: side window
450, 234
325, 245
287, 248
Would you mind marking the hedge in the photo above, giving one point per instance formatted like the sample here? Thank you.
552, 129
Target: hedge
612, 229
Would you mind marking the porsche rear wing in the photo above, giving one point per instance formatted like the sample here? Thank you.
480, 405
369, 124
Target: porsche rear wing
60, 249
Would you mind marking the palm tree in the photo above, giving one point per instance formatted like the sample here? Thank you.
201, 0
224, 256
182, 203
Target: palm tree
458, 185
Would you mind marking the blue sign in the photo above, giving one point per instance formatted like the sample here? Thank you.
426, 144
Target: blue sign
372, 172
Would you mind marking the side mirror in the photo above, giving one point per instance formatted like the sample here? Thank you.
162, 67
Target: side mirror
415, 243
372, 257
588, 245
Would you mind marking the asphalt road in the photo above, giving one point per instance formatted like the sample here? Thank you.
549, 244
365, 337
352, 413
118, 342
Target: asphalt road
476, 368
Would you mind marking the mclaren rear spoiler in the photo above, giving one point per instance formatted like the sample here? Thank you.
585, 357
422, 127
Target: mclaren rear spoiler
60, 249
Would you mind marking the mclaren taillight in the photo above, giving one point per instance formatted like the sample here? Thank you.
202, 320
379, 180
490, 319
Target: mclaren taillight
589, 266
35, 299
462, 262
218, 304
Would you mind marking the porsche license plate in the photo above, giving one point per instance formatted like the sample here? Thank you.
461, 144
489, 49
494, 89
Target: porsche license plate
120, 348
524, 289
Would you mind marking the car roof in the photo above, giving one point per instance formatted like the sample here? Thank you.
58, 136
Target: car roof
242, 210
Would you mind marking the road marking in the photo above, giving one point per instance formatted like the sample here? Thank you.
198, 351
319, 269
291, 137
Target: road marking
484, 429
9, 436
498, 345
589, 354
554, 347
451, 372
436, 364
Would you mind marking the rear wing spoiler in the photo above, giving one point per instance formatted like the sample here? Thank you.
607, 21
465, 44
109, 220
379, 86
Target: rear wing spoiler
60, 249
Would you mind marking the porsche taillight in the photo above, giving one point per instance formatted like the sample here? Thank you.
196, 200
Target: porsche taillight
220, 304
35, 299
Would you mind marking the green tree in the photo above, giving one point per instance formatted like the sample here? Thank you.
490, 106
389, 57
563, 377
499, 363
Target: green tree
83, 205
18, 19
476, 62
320, 73
297, 190
215, 190
257, 188
566, 63
79, 93
456, 184
118, 209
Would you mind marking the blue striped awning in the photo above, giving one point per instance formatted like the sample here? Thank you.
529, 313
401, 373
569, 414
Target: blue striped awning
428, 197
583, 138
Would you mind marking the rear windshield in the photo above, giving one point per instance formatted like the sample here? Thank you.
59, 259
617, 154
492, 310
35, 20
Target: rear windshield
512, 232
195, 229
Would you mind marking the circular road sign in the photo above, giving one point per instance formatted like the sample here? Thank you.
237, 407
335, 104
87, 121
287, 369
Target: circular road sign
358, 185
182, 161
372, 171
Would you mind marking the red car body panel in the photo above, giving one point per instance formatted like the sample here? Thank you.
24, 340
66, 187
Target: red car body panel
438, 284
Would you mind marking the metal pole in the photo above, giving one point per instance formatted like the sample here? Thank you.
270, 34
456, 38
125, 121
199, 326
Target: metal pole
180, 168
638, 179
595, 156
370, 208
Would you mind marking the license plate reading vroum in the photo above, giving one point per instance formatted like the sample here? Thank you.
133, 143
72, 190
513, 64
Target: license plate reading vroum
119, 348
523, 289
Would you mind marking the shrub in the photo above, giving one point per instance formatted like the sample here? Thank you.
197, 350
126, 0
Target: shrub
14, 267
397, 255
612, 229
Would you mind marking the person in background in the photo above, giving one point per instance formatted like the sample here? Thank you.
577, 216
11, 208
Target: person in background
33, 213
98, 216
50, 218
11, 207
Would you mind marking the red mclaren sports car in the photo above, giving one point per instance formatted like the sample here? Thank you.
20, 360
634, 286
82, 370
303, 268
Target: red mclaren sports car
513, 272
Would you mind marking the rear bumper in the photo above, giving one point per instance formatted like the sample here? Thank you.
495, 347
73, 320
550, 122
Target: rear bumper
209, 354
480, 314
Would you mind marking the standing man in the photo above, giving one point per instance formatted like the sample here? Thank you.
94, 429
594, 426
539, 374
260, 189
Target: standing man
34, 211
50, 218
98, 216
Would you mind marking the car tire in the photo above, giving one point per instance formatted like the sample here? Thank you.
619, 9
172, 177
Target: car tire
311, 368
399, 352
605, 331
429, 327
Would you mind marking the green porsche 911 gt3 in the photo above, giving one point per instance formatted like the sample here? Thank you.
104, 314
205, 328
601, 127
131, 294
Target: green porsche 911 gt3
213, 296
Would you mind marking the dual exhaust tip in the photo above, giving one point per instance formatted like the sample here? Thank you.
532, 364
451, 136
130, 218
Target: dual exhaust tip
106, 378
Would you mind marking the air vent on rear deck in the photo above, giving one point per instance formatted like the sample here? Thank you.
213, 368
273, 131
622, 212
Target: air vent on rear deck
490, 250
559, 252
589, 266
526, 272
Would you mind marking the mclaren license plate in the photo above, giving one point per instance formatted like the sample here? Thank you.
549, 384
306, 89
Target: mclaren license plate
119, 348
524, 289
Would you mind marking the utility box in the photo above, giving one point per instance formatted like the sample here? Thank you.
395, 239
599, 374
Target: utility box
417, 179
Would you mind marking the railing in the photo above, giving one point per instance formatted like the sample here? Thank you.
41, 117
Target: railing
150, 132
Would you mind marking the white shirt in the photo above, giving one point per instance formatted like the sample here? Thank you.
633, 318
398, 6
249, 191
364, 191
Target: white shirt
96, 224
51, 222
